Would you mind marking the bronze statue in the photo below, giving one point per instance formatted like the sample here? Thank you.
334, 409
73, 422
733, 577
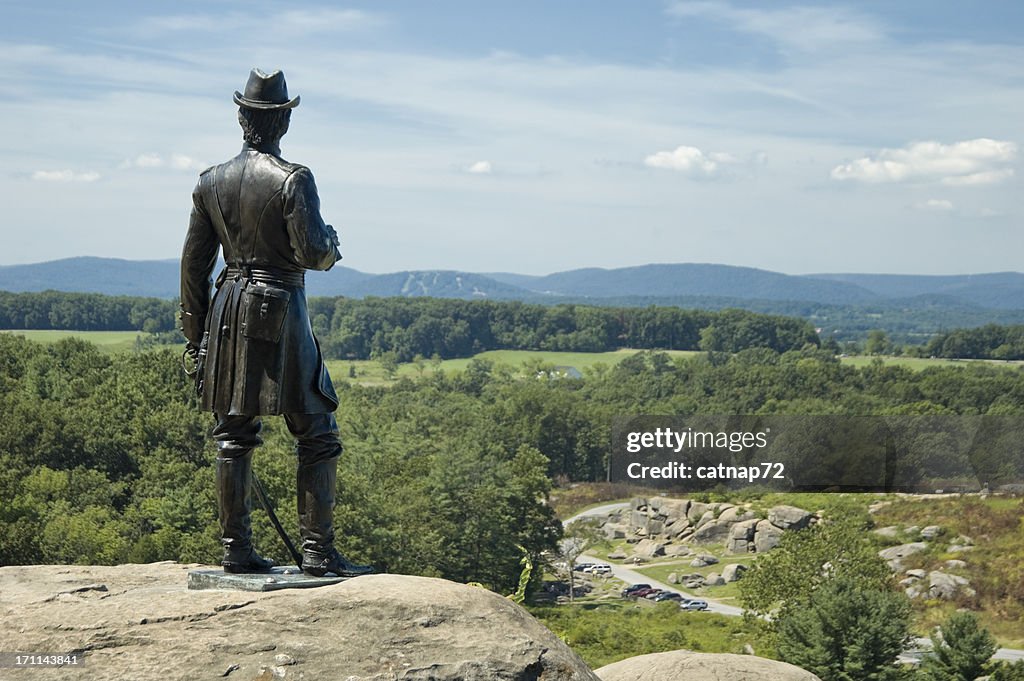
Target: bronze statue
255, 351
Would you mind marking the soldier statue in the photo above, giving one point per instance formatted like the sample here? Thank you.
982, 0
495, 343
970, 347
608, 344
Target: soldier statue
254, 349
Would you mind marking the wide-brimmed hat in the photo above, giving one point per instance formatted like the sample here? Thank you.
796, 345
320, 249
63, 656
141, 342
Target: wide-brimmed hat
266, 92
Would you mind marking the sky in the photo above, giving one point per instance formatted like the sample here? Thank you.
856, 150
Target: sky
535, 136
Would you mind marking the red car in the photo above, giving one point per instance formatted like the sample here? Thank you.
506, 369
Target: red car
643, 592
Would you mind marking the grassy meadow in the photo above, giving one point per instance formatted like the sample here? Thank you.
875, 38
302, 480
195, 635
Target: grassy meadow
370, 372
107, 341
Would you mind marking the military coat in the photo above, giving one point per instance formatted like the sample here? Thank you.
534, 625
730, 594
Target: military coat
262, 357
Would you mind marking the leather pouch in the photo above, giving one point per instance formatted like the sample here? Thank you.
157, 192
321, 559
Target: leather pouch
264, 309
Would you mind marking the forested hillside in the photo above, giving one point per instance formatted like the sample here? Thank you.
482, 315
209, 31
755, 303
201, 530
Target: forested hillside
103, 459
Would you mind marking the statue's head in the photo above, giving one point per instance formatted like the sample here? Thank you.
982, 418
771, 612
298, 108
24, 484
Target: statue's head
265, 109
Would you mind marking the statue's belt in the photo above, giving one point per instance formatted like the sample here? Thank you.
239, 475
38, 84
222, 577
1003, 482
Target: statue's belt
262, 275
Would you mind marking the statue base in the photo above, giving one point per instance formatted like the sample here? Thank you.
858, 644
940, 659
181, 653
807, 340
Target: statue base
278, 578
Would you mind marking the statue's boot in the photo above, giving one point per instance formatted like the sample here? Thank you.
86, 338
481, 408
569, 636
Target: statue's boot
316, 484
234, 492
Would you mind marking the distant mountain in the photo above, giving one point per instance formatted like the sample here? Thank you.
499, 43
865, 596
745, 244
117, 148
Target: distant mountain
1002, 290
438, 284
110, 276
150, 278
699, 280
700, 285
525, 281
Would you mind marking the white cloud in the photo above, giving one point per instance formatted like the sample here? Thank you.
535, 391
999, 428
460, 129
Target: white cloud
802, 28
182, 162
147, 161
985, 177
971, 162
290, 23
480, 168
65, 176
689, 160
942, 205
175, 162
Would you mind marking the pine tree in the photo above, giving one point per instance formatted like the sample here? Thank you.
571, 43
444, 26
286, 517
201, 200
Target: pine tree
961, 650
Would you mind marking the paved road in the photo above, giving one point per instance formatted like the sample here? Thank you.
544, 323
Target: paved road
633, 577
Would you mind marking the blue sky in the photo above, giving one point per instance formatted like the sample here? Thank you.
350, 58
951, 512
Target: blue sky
536, 136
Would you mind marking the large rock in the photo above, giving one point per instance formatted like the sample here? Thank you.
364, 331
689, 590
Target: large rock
672, 509
741, 536
703, 560
613, 531
789, 517
733, 572
744, 529
766, 536
945, 586
714, 579
902, 551
677, 550
683, 665
736, 515
649, 548
712, 532
931, 532
696, 511
146, 625
707, 517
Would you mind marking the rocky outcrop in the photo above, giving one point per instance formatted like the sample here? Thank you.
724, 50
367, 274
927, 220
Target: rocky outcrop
703, 560
712, 532
733, 572
683, 665
649, 548
789, 517
946, 586
714, 579
766, 537
894, 555
741, 536
139, 622
684, 521
931, 532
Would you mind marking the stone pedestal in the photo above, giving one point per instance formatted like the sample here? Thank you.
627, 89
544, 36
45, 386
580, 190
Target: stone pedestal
277, 578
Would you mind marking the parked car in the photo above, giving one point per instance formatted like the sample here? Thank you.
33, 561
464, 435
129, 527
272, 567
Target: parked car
601, 569
667, 596
643, 592
581, 567
629, 590
694, 604
654, 592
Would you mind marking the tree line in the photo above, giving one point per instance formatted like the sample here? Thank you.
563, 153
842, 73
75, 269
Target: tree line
364, 328
987, 342
359, 329
85, 312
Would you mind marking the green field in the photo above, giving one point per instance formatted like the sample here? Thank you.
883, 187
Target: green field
919, 363
108, 341
370, 372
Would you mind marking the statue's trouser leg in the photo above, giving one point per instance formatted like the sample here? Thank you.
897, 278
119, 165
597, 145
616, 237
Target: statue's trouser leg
236, 437
318, 448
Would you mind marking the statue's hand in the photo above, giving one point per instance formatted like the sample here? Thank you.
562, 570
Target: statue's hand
335, 239
190, 359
